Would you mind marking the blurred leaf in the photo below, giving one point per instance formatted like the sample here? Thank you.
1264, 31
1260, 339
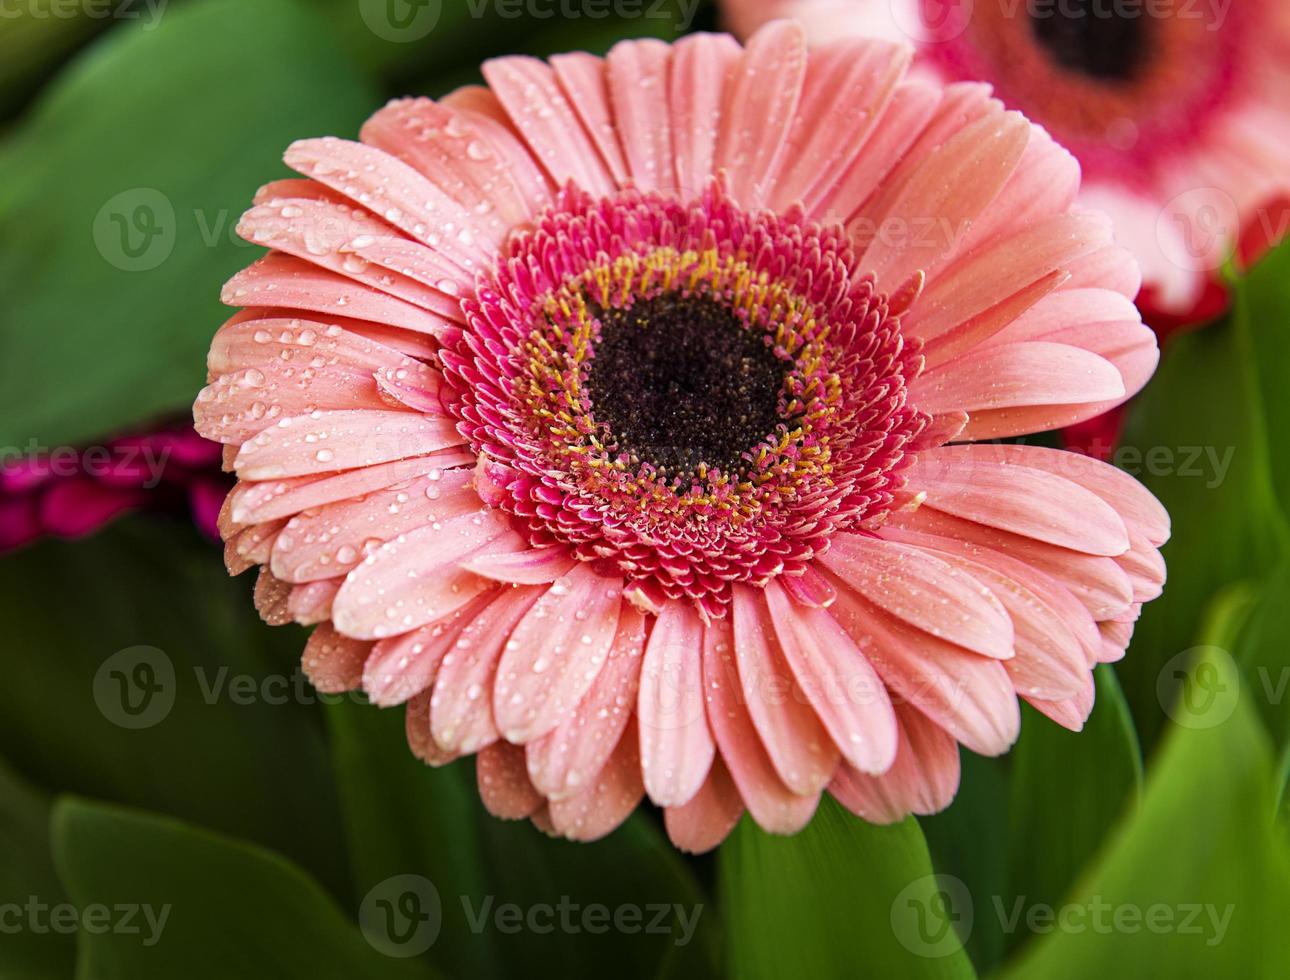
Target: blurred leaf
32, 43
144, 619
1197, 882
1259, 639
206, 906
405, 818
118, 200
28, 881
1068, 789
1263, 309
841, 899
1195, 438
970, 841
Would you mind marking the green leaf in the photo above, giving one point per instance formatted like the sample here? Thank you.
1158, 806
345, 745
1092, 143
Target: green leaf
202, 905
1196, 440
1263, 310
842, 899
142, 618
118, 200
1068, 789
1196, 883
30, 950
407, 819
1257, 633
969, 840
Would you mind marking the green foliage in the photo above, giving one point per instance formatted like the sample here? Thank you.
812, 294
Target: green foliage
118, 199
843, 898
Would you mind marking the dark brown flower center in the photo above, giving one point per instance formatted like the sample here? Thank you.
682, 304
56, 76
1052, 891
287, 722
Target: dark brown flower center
1092, 37
681, 382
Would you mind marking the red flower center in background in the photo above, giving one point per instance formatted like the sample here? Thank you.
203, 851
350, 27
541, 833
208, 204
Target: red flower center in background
688, 393
1112, 47
1103, 76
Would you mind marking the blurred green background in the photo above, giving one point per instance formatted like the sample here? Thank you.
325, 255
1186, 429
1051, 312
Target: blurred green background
253, 831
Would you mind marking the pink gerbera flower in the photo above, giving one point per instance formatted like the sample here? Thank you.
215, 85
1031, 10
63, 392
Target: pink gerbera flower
1178, 112
603, 418
70, 493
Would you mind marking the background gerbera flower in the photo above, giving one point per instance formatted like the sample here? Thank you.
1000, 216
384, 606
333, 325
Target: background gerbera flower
623, 420
1177, 112
70, 493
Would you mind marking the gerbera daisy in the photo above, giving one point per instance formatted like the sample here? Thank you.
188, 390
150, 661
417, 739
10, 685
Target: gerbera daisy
70, 493
1177, 111
561, 409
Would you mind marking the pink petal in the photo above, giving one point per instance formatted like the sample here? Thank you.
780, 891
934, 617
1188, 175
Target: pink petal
638, 79
846, 90
924, 591
561, 761
449, 150
286, 282
326, 442
701, 65
1135, 504
555, 654
538, 108
271, 595
582, 77
1025, 374
504, 783
809, 589
1099, 583
800, 749
1020, 499
955, 182
709, 816
416, 723
333, 539
461, 714
841, 685
772, 804
922, 780
253, 503
1070, 713
675, 743
325, 235
310, 604
535, 566
416, 578
761, 100
600, 808
402, 667
399, 194
968, 695
333, 662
